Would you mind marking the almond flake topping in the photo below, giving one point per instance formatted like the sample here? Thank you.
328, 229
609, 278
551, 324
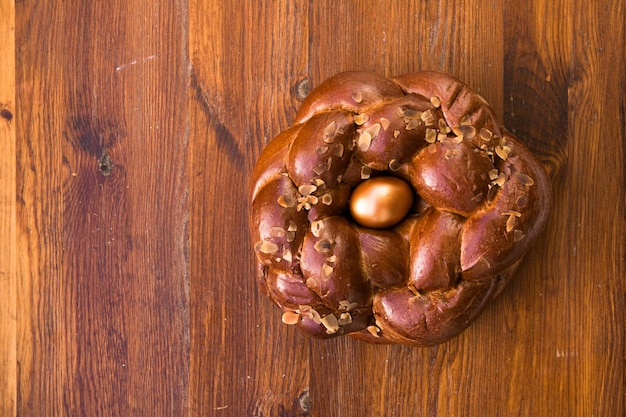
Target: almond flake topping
269, 247
384, 123
307, 189
320, 169
502, 152
331, 324
485, 134
344, 319
329, 132
361, 118
435, 101
428, 118
321, 150
286, 201
277, 231
373, 330
290, 318
365, 140
410, 114
339, 150
500, 180
510, 223
327, 270
345, 305
323, 246
524, 179
443, 126
311, 313
412, 124
468, 131
317, 227
431, 135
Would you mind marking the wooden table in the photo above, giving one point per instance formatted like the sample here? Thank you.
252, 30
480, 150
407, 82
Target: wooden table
128, 132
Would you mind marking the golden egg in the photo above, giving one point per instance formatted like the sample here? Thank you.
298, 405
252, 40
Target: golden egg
381, 202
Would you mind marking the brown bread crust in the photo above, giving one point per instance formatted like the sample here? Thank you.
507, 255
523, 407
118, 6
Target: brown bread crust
481, 200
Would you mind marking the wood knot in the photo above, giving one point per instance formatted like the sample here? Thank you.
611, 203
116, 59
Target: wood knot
105, 164
6, 114
302, 88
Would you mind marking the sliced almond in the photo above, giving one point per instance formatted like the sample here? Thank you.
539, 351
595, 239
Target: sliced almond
468, 131
290, 318
331, 324
327, 271
317, 227
286, 201
486, 134
330, 131
323, 246
373, 330
307, 189
344, 319
524, 179
269, 247
502, 154
364, 142
361, 118
510, 223
412, 124
431, 135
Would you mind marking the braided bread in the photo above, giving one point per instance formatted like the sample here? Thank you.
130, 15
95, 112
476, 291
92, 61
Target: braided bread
393, 210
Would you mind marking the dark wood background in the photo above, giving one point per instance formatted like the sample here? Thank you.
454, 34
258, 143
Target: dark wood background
128, 131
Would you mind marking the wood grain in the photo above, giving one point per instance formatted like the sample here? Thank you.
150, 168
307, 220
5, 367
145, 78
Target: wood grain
103, 323
8, 253
249, 366
127, 280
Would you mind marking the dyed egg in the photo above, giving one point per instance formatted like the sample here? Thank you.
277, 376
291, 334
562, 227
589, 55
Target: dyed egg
381, 202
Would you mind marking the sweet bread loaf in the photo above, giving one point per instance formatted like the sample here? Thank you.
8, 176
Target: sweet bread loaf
393, 209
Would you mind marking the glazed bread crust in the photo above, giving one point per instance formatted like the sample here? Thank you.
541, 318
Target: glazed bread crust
481, 199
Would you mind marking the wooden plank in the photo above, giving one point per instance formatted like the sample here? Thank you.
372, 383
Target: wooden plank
247, 58
581, 260
127, 277
103, 295
8, 254
348, 377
